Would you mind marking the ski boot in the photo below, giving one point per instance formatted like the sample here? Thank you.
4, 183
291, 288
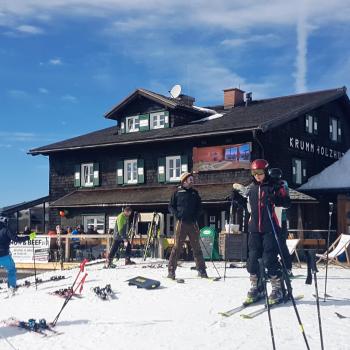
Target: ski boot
171, 275
128, 261
11, 292
109, 265
276, 295
253, 294
202, 274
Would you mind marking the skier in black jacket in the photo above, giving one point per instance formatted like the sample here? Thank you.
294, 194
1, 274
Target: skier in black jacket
185, 204
263, 195
6, 261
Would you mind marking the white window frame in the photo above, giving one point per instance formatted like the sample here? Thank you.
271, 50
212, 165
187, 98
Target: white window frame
170, 177
100, 227
90, 174
159, 118
134, 171
335, 129
135, 124
311, 124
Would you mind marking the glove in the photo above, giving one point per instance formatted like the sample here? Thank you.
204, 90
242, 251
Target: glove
32, 236
237, 187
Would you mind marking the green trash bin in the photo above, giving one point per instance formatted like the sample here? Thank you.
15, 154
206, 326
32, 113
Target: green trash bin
209, 243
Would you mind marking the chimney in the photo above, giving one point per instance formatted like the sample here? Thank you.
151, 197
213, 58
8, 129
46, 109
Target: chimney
186, 100
248, 98
233, 97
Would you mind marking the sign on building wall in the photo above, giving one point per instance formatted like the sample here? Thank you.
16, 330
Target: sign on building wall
23, 252
225, 157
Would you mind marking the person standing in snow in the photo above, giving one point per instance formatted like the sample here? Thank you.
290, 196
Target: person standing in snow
120, 237
185, 205
6, 261
264, 193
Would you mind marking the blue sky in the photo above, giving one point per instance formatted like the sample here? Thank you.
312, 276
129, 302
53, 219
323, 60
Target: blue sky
63, 63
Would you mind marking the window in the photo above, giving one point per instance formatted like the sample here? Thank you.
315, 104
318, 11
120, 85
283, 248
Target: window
335, 129
130, 171
87, 175
173, 165
299, 171
132, 124
97, 222
311, 124
158, 120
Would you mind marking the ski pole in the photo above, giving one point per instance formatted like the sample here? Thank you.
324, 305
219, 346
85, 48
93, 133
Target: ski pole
314, 271
206, 250
36, 282
263, 277
328, 238
287, 279
229, 231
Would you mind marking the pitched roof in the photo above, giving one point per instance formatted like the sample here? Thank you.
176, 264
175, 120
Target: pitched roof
164, 100
148, 196
335, 176
260, 114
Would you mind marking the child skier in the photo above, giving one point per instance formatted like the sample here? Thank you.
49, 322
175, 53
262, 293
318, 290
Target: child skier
263, 195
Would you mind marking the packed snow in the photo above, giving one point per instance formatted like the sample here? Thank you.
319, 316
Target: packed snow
174, 316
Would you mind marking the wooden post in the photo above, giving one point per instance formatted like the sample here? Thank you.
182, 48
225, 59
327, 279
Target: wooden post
67, 247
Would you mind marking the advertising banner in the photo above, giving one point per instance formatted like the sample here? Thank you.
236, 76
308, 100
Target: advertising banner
23, 252
225, 157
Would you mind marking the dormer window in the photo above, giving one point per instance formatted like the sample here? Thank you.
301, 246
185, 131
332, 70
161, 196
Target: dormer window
159, 120
132, 124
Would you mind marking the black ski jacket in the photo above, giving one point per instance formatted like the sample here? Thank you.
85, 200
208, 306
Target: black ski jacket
262, 196
185, 204
6, 236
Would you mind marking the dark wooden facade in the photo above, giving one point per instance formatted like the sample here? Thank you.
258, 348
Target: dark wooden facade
276, 142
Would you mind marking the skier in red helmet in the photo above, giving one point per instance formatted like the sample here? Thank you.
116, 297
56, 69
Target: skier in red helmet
264, 193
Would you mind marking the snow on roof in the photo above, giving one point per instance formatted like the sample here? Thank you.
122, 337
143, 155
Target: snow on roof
206, 110
337, 175
214, 114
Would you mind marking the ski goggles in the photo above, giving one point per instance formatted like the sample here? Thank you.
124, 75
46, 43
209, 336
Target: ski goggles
258, 172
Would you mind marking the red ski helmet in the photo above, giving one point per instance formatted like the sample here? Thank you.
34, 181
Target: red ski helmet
259, 164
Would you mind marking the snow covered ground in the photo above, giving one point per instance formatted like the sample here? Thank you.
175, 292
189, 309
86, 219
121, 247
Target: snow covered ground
174, 316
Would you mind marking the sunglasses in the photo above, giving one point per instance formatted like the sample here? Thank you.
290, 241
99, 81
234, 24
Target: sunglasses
258, 172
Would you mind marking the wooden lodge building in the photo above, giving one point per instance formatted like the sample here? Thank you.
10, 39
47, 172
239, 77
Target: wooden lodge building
138, 160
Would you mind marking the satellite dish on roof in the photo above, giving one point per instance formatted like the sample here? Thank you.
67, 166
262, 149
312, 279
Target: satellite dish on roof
175, 91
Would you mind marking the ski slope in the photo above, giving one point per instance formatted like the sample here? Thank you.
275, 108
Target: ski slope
174, 316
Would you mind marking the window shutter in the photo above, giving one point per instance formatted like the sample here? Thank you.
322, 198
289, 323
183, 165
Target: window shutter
120, 172
294, 171
144, 122
77, 175
339, 131
307, 123
122, 127
96, 174
166, 119
330, 128
184, 164
140, 171
316, 125
161, 170
303, 171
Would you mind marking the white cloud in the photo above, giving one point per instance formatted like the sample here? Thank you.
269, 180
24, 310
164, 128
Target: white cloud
43, 91
18, 136
28, 29
69, 98
55, 61
264, 39
16, 93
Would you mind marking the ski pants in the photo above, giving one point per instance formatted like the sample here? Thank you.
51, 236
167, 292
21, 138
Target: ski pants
183, 230
263, 245
117, 242
9, 265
